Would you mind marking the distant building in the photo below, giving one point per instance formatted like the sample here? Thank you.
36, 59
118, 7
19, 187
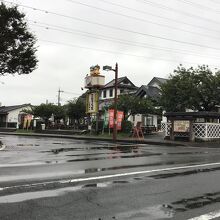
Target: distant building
125, 86
151, 90
107, 93
11, 116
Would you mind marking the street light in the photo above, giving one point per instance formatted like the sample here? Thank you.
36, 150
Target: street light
109, 68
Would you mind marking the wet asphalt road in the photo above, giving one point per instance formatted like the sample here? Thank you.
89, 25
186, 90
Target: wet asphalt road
49, 178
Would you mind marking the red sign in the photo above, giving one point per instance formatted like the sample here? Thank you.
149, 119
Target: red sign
120, 116
111, 118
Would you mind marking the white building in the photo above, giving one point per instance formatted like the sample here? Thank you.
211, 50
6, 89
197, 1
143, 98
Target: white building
151, 90
107, 93
11, 116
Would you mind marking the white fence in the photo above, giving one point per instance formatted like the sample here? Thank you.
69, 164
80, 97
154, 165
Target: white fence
165, 126
206, 130
200, 130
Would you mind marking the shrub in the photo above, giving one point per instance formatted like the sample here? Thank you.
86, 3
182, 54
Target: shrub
126, 126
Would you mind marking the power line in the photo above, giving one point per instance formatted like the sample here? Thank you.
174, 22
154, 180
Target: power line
71, 93
116, 52
164, 7
197, 5
121, 29
117, 40
142, 19
157, 16
216, 2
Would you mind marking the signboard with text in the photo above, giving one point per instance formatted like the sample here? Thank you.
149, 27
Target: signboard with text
111, 118
92, 102
120, 116
181, 126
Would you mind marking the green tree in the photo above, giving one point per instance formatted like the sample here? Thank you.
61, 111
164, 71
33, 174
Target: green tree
45, 111
132, 105
76, 109
17, 50
192, 88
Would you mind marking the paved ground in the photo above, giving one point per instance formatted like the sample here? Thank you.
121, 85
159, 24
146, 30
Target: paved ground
53, 178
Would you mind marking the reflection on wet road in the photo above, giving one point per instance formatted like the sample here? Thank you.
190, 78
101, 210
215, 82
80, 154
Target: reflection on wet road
42, 169
58, 157
49, 151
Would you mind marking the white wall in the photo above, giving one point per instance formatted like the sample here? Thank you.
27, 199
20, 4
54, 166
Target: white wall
108, 94
138, 118
13, 115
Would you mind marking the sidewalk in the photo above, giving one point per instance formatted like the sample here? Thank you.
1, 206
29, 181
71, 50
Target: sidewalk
155, 139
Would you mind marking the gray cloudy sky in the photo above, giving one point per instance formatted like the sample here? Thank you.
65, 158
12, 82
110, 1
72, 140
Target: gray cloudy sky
146, 37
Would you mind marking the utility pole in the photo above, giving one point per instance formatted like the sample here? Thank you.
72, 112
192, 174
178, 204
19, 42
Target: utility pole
115, 104
59, 92
114, 137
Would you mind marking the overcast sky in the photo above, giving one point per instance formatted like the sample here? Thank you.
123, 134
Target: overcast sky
146, 37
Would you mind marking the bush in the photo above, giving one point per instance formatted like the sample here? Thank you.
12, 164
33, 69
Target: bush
126, 126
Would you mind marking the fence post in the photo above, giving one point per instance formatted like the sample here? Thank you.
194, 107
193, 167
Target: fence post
206, 130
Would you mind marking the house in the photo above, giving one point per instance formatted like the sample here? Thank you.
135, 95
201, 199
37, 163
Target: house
107, 93
125, 86
151, 90
12, 116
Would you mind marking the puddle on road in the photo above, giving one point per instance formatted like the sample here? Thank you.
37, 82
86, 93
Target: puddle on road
188, 153
190, 172
21, 197
97, 185
94, 170
27, 145
194, 202
153, 213
37, 195
118, 148
120, 181
113, 156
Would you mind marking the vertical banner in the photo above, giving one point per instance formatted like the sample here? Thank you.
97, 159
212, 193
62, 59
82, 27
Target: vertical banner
92, 102
27, 121
111, 118
106, 118
120, 116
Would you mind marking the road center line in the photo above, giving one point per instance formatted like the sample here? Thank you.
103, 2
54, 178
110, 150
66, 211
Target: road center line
142, 172
111, 176
207, 216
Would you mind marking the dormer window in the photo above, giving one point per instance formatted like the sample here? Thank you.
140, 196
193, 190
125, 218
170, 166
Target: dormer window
111, 92
104, 94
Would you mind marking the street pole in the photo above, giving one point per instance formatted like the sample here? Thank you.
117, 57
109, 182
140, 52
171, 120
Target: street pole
115, 104
59, 91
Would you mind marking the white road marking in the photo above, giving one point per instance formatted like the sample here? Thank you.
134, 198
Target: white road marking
207, 216
142, 172
113, 175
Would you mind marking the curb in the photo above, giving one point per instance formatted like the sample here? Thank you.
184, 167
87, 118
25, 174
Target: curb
163, 143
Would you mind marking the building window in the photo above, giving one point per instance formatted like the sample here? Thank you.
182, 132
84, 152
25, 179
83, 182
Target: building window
111, 92
121, 91
104, 94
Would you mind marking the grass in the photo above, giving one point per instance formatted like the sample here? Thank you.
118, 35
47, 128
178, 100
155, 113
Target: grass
106, 135
24, 131
120, 135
